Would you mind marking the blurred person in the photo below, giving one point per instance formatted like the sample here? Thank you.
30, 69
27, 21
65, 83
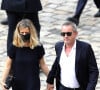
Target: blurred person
80, 6
20, 9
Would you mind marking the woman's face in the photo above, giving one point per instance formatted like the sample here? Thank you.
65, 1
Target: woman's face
24, 31
25, 34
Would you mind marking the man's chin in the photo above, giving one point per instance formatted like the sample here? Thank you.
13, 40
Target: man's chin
66, 42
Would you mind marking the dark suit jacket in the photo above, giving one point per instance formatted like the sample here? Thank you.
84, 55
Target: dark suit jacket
21, 5
85, 66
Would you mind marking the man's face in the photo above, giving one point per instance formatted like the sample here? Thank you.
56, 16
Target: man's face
68, 34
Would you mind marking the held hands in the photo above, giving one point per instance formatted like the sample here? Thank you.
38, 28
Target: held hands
2, 85
50, 87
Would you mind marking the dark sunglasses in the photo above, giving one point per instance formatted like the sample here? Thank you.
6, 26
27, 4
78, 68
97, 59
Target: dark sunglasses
66, 33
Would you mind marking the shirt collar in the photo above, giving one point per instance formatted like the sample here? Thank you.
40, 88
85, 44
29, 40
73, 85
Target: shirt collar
74, 46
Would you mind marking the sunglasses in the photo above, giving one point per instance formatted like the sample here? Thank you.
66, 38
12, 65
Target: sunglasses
66, 33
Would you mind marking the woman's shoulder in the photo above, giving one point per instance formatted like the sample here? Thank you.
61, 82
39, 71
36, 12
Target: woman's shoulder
39, 47
12, 46
11, 51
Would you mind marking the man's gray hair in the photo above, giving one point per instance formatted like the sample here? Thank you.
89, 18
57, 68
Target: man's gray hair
71, 24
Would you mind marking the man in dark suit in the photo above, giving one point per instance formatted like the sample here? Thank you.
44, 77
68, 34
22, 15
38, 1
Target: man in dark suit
80, 6
75, 66
19, 9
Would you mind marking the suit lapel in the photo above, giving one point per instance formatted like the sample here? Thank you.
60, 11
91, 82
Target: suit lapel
78, 52
59, 50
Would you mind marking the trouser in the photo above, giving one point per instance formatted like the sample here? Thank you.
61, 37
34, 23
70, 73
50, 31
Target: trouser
81, 4
14, 18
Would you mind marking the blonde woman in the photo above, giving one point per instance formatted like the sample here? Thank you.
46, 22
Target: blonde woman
25, 56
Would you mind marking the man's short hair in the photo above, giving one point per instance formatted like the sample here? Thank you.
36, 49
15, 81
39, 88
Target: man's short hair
71, 24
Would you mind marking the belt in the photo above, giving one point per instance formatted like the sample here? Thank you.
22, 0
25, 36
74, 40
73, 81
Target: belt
67, 88
72, 88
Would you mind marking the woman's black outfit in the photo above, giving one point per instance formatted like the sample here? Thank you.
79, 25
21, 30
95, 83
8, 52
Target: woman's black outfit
25, 66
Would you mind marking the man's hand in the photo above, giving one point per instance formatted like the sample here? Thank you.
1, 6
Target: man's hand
50, 87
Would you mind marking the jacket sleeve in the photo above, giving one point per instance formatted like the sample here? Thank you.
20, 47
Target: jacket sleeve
52, 73
93, 70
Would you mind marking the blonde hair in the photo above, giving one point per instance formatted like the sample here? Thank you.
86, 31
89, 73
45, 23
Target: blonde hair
17, 40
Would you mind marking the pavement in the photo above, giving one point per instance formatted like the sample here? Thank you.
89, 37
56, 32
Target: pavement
52, 16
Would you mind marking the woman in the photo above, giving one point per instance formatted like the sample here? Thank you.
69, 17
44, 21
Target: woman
25, 56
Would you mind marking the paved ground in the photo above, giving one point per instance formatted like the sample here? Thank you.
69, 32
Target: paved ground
52, 16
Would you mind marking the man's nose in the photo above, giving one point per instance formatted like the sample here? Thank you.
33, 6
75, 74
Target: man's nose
65, 35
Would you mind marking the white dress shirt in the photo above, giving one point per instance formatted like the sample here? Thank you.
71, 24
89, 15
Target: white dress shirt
67, 65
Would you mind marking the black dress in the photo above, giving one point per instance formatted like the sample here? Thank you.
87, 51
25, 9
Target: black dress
26, 67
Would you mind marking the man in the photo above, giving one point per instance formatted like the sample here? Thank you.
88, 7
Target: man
75, 66
80, 6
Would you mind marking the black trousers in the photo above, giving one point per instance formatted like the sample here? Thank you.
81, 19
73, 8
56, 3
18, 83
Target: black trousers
81, 4
15, 17
61, 87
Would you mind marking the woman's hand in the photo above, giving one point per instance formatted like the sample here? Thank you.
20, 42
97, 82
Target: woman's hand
2, 85
6, 71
